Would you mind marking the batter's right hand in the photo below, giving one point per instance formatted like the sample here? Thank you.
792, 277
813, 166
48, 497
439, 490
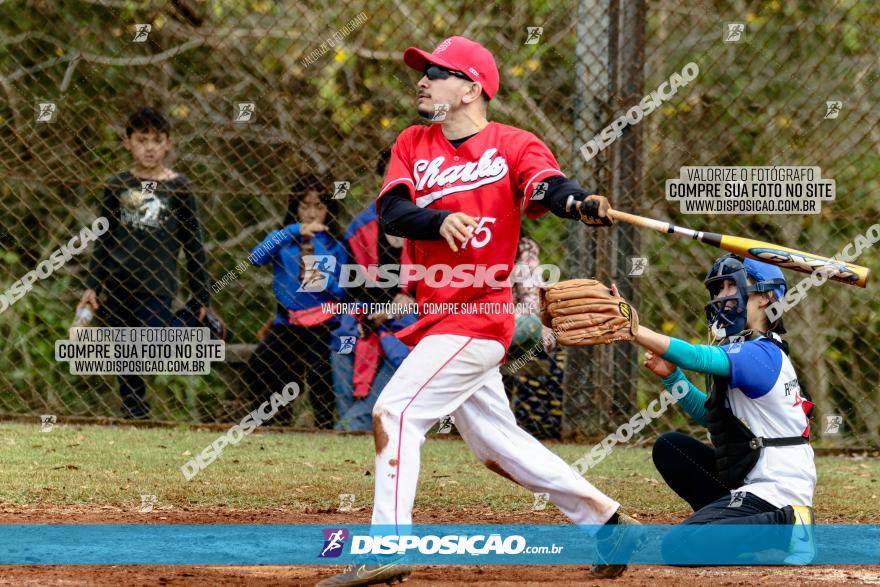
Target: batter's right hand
658, 365
89, 298
455, 227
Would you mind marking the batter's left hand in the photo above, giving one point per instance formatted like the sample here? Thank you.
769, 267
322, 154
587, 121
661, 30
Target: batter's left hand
594, 210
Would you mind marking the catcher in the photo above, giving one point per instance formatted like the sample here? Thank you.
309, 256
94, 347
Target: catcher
760, 470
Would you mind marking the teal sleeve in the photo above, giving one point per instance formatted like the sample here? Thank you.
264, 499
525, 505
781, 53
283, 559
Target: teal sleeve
693, 402
698, 357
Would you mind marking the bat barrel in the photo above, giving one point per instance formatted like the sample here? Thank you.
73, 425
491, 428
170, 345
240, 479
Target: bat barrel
783, 257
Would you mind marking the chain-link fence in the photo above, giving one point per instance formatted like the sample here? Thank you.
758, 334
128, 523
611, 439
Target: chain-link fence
262, 94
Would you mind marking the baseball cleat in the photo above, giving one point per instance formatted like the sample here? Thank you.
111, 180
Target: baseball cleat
355, 575
627, 537
802, 548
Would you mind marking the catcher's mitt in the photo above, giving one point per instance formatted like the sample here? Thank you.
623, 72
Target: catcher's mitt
584, 312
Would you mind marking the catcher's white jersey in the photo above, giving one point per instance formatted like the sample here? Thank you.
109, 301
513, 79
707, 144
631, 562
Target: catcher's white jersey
765, 395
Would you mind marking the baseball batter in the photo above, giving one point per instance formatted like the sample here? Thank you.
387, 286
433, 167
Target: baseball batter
456, 190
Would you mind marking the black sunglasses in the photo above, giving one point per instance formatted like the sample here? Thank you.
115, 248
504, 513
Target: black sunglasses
437, 72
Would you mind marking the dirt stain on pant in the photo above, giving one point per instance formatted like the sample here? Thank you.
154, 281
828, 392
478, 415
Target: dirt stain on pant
496, 468
380, 437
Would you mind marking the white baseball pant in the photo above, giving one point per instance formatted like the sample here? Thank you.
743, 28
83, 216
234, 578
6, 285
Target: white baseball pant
460, 375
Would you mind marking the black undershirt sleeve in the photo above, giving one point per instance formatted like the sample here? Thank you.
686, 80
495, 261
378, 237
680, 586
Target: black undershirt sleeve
399, 216
558, 190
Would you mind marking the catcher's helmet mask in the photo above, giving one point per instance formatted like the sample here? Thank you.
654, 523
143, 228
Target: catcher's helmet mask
725, 321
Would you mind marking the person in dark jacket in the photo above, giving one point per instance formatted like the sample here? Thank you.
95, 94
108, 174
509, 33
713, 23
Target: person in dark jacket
306, 256
152, 214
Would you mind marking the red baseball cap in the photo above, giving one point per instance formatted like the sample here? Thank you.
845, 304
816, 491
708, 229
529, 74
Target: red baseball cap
462, 55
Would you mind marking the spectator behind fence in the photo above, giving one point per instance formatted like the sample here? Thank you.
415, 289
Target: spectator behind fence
361, 372
152, 214
533, 377
306, 257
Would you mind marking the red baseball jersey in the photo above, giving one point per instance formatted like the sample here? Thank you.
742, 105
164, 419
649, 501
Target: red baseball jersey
490, 177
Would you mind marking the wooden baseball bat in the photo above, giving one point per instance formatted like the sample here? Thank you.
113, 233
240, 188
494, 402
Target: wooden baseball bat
759, 250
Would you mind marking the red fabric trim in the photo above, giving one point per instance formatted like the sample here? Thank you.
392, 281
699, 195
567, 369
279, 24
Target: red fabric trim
366, 363
310, 317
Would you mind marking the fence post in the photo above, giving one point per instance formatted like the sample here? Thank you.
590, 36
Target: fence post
591, 75
627, 63
600, 382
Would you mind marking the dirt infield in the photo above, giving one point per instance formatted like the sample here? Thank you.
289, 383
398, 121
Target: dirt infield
423, 576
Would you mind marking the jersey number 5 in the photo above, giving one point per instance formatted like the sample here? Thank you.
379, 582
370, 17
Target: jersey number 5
481, 235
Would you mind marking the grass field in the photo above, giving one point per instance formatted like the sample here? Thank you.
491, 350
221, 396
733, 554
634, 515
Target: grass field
302, 472
97, 474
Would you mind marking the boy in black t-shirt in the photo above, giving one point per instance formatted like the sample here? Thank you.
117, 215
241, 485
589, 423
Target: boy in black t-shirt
152, 214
